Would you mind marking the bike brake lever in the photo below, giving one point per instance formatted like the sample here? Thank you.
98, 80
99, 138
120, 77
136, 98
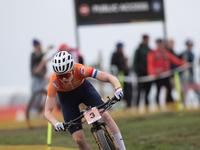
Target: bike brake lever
71, 125
74, 125
83, 111
66, 126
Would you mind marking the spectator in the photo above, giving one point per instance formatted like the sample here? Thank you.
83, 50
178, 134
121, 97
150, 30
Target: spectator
188, 56
74, 52
159, 62
38, 66
121, 62
170, 48
140, 68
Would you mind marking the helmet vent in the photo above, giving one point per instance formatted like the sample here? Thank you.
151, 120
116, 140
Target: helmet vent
63, 59
58, 61
60, 54
59, 68
71, 65
55, 69
67, 66
55, 61
68, 57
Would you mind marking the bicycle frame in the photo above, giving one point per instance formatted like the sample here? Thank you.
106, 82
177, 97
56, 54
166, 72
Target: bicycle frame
89, 115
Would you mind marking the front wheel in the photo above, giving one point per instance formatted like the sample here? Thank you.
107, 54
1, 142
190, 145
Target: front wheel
103, 140
34, 114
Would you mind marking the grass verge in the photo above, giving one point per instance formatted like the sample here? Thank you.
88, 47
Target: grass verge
165, 131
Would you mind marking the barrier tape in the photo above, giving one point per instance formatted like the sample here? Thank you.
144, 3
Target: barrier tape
155, 77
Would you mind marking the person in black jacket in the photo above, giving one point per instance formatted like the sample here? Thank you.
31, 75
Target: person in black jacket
120, 61
189, 57
38, 66
140, 68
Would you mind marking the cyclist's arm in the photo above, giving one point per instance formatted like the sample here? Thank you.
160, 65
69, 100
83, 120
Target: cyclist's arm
104, 77
50, 102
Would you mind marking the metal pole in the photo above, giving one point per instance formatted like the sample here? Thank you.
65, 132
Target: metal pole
164, 31
76, 27
164, 25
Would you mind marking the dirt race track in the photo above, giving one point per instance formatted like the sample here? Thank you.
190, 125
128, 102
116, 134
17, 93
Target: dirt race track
32, 147
13, 119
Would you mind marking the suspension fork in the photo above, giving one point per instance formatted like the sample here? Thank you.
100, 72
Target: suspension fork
96, 126
111, 136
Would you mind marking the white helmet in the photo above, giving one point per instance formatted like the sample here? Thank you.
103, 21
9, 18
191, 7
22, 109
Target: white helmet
62, 62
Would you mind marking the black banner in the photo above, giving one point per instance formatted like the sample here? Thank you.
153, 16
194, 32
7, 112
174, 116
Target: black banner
90, 12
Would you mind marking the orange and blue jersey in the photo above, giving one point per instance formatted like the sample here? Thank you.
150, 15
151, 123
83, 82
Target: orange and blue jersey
79, 90
80, 73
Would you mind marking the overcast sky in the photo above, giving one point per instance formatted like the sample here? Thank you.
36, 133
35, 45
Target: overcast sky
53, 22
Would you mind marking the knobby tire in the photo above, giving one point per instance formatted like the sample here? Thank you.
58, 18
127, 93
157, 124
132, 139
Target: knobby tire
108, 138
103, 140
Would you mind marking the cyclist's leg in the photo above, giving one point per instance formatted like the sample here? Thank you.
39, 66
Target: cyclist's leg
114, 129
70, 111
80, 140
92, 98
111, 123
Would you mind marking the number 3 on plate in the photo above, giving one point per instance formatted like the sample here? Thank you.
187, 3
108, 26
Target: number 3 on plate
92, 115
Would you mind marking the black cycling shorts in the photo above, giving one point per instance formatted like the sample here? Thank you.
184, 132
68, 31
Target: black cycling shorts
70, 101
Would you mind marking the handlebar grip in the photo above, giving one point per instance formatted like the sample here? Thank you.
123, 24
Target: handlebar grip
66, 125
115, 98
71, 125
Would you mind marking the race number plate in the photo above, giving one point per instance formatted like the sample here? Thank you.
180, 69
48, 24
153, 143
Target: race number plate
92, 115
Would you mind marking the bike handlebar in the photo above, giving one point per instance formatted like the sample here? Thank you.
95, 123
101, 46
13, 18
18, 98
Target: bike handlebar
109, 103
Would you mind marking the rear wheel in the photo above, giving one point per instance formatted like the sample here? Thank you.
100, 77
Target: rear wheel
104, 141
34, 114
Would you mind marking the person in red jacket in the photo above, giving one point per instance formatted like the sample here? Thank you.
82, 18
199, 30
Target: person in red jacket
73, 51
159, 61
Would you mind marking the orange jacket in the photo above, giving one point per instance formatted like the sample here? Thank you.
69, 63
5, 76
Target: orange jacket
159, 61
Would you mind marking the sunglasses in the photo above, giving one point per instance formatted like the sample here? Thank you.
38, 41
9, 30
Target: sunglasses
66, 75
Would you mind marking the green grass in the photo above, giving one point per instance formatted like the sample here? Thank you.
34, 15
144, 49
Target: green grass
166, 131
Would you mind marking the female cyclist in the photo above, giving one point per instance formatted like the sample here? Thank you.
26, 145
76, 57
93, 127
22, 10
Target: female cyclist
68, 80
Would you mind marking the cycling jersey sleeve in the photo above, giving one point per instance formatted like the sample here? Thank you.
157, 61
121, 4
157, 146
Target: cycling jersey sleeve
53, 87
86, 71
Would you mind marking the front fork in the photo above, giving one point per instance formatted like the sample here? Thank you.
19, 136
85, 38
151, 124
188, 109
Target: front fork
96, 126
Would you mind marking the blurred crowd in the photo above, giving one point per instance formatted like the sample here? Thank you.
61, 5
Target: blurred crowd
155, 66
147, 62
